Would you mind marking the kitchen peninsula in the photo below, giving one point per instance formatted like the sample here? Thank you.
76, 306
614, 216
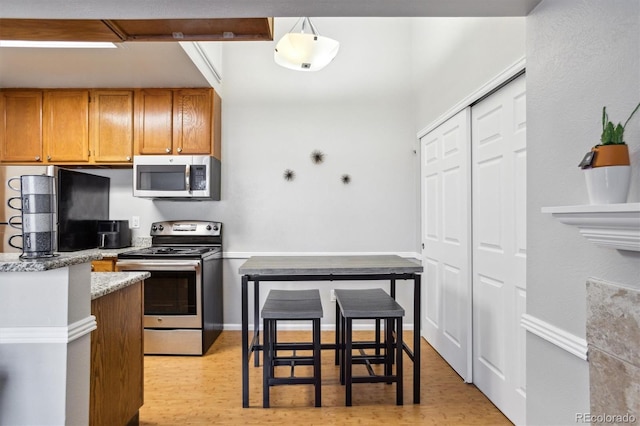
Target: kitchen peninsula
51, 365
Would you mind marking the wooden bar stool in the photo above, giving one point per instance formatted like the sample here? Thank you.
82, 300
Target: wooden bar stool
291, 305
369, 304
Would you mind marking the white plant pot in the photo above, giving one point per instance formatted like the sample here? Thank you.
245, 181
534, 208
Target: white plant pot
608, 185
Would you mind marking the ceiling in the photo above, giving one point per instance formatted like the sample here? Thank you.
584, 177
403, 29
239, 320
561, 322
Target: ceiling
165, 64
149, 9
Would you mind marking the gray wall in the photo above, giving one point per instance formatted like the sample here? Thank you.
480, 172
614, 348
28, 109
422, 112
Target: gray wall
581, 55
359, 116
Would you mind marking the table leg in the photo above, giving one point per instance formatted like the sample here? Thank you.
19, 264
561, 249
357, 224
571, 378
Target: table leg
256, 322
245, 342
416, 339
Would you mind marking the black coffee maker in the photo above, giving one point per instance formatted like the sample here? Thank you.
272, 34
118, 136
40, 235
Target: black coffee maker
113, 234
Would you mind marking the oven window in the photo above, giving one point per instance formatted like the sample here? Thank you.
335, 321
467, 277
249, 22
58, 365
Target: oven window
170, 293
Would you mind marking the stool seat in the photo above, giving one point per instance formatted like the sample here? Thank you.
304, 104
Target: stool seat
291, 305
367, 303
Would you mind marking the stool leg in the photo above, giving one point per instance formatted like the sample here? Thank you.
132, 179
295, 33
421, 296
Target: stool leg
388, 353
399, 372
348, 361
377, 351
266, 362
274, 340
317, 376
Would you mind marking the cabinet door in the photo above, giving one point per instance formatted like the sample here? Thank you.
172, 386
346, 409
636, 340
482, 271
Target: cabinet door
111, 126
192, 131
154, 125
66, 125
21, 128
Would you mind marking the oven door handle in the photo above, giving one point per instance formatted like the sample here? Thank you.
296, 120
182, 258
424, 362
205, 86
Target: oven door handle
159, 266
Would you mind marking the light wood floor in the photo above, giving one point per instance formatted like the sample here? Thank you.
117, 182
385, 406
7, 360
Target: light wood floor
207, 390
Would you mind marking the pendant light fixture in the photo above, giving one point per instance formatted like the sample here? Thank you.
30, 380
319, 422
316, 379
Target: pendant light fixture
305, 51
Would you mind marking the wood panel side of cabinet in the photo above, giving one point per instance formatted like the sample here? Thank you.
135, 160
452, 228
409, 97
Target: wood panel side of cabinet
154, 121
111, 126
66, 125
21, 127
117, 357
216, 119
192, 128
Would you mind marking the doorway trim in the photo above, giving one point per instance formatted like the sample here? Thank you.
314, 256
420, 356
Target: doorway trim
511, 72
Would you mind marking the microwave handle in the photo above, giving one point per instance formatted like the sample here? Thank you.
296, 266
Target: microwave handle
187, 177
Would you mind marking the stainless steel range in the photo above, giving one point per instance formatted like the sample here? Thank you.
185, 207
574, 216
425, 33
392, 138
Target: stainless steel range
183, 297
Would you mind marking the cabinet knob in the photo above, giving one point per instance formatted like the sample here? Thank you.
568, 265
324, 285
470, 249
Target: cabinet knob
128, 158
168, 150
37, 158
179, 149
48, 158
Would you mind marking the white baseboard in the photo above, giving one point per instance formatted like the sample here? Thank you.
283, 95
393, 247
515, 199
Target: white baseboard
303, 327
569, 342
61, 334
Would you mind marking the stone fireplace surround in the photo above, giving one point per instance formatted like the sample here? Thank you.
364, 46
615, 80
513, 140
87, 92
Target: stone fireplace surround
613, 337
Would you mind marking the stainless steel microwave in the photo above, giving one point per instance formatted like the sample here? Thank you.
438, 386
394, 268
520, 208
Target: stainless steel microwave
176, 177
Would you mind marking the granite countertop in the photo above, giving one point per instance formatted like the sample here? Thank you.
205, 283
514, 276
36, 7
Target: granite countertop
11, 262
328, 265
103, 283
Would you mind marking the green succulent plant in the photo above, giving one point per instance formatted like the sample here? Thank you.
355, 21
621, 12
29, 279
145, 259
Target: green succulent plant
613, 134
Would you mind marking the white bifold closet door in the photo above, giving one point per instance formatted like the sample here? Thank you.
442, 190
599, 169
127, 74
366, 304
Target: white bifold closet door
446, 231
499, 160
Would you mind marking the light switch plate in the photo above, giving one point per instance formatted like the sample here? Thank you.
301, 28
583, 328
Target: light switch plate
135, 221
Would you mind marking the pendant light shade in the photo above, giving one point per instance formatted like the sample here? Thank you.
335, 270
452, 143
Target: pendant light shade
305, 51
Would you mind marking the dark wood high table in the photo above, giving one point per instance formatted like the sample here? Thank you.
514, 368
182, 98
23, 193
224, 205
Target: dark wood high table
325, 268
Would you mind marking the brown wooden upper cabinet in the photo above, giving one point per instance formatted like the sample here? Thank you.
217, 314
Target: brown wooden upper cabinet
66, 126
21, 127
111, 126
178, 122
107, 126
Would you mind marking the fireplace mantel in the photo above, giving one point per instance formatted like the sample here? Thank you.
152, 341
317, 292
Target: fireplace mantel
615, 226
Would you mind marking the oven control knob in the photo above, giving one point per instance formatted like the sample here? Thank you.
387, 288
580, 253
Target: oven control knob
208, 227
154, 227
215, 227
161, 227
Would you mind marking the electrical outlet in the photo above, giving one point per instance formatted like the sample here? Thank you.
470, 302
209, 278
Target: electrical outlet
333, 295
135, 222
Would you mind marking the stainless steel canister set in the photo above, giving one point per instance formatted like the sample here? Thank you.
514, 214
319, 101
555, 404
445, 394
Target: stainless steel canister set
38, 218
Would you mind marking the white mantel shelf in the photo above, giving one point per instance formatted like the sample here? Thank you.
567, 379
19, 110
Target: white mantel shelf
615, 226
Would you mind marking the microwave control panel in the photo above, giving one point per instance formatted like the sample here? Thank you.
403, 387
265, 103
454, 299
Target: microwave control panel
198, 178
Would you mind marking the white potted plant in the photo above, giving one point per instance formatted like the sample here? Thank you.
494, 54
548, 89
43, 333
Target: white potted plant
607, 167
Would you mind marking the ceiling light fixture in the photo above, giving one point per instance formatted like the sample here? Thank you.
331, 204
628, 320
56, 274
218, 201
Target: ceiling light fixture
57, 44
305, 51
